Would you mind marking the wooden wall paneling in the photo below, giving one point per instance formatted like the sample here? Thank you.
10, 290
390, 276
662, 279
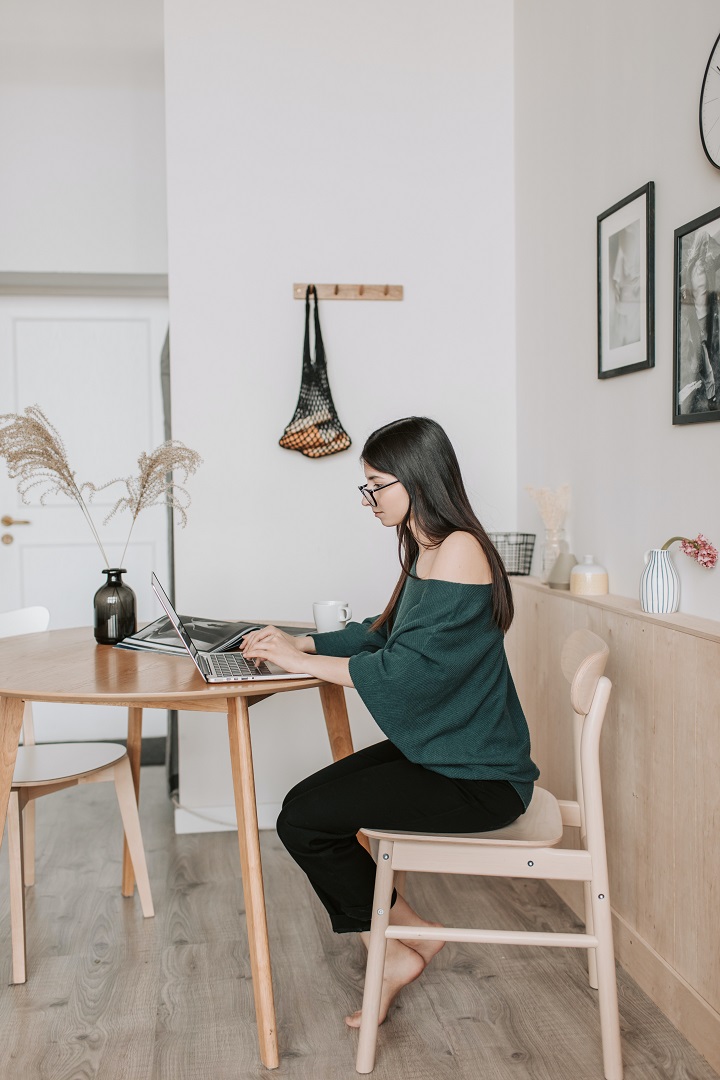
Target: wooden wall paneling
707, 793
558, 754
528, 654
621, 784
685, 834
522, 654
660, 770
534, 680
611, 751
546, 699
514, 636
655, 870
639, 671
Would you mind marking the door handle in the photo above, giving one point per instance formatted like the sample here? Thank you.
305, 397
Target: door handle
7, 520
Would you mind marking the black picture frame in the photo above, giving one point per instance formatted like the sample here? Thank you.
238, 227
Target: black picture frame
626, 284
696, 330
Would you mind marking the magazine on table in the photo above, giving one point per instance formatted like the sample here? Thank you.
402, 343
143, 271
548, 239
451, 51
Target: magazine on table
208, 635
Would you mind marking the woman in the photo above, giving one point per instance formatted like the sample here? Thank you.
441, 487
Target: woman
433, 673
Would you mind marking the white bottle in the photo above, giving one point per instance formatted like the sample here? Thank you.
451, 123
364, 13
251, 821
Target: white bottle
588, 578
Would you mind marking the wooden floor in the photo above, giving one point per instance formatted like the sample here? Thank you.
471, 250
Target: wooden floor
113, 996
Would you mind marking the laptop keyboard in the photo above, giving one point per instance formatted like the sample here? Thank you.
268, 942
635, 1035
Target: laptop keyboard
233, 664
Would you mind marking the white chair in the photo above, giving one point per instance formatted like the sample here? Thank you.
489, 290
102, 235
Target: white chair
41, 770
525, 849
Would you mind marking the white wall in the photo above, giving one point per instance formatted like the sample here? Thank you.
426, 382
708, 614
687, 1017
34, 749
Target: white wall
82, 184
607, 99
330, 142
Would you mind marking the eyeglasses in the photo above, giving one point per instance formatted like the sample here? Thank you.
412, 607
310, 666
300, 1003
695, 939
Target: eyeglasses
369, 493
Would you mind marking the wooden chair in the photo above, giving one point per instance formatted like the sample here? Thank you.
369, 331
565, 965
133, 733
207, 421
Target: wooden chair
526, 849
42, 769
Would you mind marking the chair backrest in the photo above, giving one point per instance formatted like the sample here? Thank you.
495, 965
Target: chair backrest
583, 660
27, 620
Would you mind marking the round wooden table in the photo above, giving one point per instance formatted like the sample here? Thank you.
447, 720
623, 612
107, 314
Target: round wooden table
68, 666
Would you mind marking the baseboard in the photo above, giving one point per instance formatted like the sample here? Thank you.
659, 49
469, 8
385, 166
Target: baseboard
199, 819
690, 1013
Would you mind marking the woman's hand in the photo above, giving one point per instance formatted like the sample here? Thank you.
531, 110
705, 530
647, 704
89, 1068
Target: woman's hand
278, 647
295, 655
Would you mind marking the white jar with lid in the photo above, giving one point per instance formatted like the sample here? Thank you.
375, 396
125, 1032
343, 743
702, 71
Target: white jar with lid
588, 578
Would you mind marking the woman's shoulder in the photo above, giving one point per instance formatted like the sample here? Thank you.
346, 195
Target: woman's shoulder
461, 559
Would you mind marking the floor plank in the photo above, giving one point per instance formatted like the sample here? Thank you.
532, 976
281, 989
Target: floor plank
113, 996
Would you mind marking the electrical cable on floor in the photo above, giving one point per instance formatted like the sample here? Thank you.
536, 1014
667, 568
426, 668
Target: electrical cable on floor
196, 813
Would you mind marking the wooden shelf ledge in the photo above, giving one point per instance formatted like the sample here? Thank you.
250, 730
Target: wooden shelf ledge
624, 605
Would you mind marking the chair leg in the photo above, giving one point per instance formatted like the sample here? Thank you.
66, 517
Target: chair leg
29, 843
607, 979
125, 790
17, 888
365, 1061
591, 954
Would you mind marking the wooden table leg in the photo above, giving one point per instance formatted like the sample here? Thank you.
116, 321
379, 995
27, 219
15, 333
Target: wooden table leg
134, 748
11, 718
334, 708
252, 881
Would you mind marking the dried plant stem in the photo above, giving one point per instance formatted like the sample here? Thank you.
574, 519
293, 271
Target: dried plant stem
81, 503
670, 542
132, 526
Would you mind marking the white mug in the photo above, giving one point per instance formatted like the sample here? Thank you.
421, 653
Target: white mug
331, 615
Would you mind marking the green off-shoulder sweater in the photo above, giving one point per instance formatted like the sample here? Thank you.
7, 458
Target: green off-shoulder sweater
439, 685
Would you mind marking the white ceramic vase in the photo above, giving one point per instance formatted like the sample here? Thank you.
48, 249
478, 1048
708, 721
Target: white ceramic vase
660, 583
588, 578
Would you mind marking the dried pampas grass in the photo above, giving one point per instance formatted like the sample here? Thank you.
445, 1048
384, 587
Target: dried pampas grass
155, 482
553, 505
36, 455
37, 459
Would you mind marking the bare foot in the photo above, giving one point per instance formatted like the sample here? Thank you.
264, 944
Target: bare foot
402, 966
425, 946
405, 958
401, 914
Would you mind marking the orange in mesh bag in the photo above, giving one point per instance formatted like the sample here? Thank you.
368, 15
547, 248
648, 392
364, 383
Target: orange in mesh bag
315, 429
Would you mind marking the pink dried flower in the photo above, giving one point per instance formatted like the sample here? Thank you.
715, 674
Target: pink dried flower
699, 549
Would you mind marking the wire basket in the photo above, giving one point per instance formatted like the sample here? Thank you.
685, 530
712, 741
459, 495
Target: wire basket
515, 550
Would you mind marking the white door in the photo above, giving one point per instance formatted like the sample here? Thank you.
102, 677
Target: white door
92, 364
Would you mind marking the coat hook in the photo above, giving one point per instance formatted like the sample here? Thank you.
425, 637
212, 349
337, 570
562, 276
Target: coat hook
387, 290
361, 290
336, 290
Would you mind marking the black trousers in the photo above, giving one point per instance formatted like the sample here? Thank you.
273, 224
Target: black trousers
378, 788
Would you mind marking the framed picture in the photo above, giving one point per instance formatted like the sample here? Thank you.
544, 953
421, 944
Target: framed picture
626, 270
696, 353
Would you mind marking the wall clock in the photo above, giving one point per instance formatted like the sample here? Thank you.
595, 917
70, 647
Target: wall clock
710, 106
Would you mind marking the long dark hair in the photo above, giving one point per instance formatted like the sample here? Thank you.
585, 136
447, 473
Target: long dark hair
418, 452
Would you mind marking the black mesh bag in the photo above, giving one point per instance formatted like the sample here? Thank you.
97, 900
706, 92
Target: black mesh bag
315, 429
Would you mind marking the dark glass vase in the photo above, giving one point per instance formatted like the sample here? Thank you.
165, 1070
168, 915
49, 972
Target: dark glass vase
114, 609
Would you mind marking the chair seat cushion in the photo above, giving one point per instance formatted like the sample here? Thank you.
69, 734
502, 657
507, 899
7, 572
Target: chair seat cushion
46, 762
540, 826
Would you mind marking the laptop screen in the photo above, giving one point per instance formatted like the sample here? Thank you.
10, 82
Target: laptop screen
174, 618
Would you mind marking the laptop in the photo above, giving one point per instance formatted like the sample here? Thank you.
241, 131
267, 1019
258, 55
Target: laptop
219, 667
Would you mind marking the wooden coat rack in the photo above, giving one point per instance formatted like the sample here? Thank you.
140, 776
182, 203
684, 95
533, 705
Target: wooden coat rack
350, 292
